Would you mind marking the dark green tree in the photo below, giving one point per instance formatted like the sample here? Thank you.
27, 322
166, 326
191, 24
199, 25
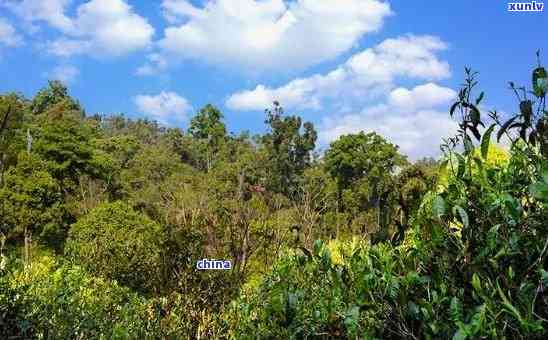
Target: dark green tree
31, 203
115, 241
288, 145
11, 123
54, 94
365, 159
208, 128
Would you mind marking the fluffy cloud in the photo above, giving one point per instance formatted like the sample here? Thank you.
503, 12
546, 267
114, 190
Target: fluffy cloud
418, 134
268, 34
64, 73
100, 27
363, 94
8, 35
372, 71
49, 11
420, 97
166, 107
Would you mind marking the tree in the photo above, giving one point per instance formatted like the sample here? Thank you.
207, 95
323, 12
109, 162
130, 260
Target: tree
32, 203
55, 93
208, 128
69, 145
11, 122
115, 241
367, 159
288, 146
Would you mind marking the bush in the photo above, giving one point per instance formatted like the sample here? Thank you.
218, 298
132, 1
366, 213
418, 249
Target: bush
62, 302
116, 242
472, 266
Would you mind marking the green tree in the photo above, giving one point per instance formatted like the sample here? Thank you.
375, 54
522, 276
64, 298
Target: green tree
116, 242
208, 128
288, 146
69, 145
11, 122
32, 203
369, 162
54, 94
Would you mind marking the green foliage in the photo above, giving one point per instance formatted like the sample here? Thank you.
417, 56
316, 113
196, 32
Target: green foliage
53, 95
471, 266
353, 157
32, 201
118, 243
288, 150
455, 249
55, 301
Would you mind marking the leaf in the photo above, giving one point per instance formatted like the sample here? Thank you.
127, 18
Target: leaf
504, 127
453, 108
486, 139
475, 132
462, 166
540, 78
475, 115
533, 138
438, 207
463, 215
509, 307
318, 246
352, 317
468, 145
539, 191
476, 282
480, 98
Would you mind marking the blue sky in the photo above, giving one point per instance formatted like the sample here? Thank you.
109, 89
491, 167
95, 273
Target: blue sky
346, 65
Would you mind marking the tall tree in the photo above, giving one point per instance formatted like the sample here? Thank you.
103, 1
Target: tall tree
11, 122
55, 93
368, 159
289, 145
209, 129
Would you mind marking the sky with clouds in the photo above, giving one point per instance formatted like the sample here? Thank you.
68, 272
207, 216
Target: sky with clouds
346, 65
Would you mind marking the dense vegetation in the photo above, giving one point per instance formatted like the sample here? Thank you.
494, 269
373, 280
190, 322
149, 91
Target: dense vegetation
103, 218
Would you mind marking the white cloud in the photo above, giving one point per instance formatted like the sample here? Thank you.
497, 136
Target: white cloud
166, 107
100, 27
268, 34
417, 133
420, 97
364, 94
364, 76
64, 73
8, 35
155, 65
50, 11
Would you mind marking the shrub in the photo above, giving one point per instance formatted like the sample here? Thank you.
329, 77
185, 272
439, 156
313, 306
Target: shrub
116, 242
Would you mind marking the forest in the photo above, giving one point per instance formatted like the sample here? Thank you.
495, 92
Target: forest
103, 219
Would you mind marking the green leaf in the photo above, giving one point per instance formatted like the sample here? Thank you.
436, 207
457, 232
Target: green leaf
453, 108
475, 115
480, 98
475, 132
476, 282
318, 246
463, 215
485, 141
540, 82
539, 191
462, 166
504, 127
438, 207
509, 307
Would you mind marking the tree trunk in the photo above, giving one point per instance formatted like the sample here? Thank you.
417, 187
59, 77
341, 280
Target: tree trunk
28, 241
2, 164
